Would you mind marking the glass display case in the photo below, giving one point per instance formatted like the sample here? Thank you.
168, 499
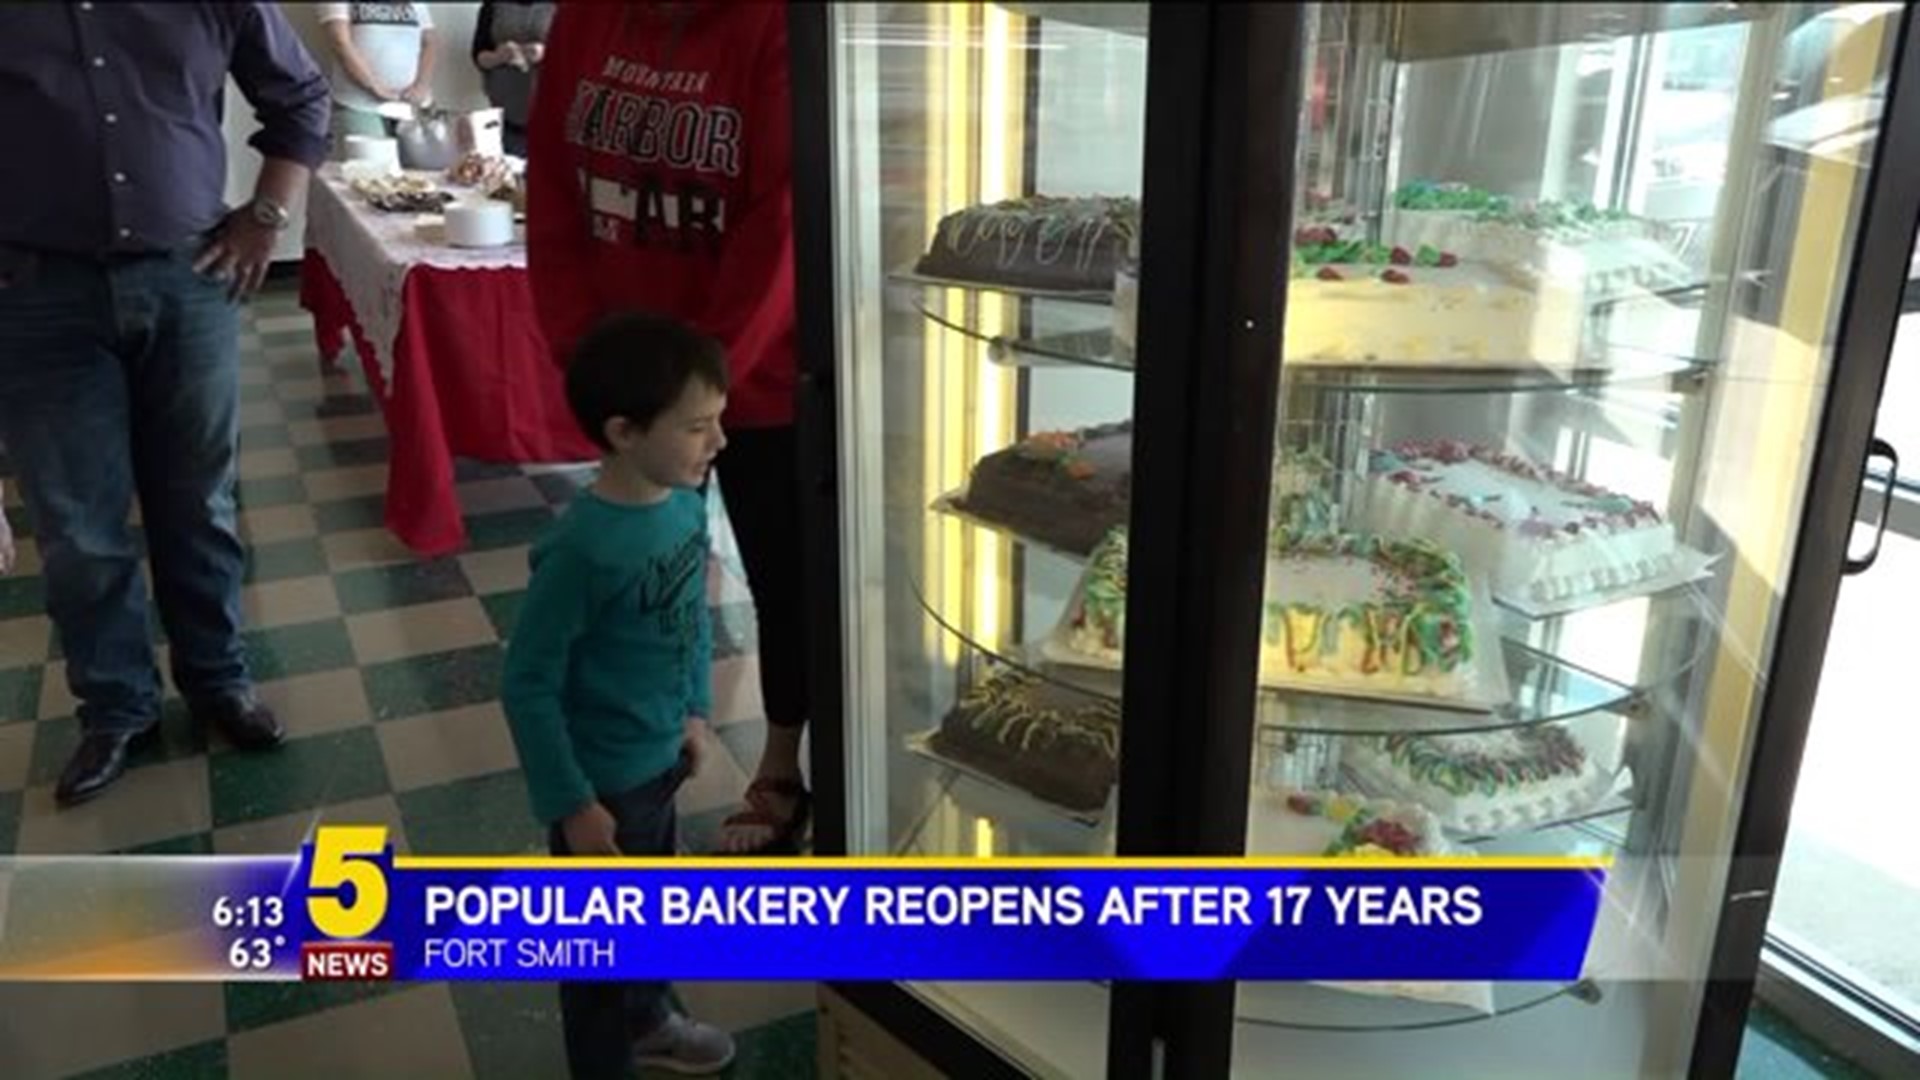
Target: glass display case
1298, 430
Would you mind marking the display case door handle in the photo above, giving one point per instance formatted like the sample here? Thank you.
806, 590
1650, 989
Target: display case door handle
1879, 448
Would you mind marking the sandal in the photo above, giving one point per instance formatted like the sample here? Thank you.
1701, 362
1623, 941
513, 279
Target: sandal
787, 831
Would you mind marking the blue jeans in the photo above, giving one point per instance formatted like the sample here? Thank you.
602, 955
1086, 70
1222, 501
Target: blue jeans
600, 1020
121, 377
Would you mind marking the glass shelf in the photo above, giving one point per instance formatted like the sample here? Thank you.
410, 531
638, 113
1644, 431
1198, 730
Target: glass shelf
1091, 347
1557, 668
1615, 953
1068, 329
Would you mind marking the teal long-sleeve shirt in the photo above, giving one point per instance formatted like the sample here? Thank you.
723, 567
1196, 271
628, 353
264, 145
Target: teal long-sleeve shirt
613, 649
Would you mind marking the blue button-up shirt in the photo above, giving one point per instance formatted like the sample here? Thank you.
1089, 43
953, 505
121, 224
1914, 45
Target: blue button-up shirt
112, 115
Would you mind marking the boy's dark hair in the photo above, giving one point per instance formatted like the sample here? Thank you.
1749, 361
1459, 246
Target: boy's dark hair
636, 365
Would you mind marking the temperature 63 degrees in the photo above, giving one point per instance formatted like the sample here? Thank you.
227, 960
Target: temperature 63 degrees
254, 953
346, 886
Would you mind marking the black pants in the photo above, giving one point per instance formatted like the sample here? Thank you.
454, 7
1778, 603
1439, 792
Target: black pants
760, 481
601, 1020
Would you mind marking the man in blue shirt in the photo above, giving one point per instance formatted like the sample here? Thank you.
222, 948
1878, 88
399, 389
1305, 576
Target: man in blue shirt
120, 274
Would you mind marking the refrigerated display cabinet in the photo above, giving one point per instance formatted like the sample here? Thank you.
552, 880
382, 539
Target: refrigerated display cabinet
1218, 420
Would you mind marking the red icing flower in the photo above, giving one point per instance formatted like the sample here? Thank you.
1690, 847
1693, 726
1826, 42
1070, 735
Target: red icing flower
1448, 258
1400, 256
1328, 273
1394, 277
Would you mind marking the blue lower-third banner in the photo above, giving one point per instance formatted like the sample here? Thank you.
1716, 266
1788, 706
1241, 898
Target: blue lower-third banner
357, 911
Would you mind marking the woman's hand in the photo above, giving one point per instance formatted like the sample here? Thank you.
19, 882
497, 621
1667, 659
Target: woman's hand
533, 52
418, 94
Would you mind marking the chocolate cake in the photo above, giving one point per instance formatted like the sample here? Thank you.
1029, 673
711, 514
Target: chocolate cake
1065, 489
1039, 242
1055, 743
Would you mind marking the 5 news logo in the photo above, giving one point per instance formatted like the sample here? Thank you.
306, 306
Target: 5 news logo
347, 902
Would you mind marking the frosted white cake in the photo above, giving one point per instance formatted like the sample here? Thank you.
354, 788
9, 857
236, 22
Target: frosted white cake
1354, 303
1485, 782
1601, 254
1541, 536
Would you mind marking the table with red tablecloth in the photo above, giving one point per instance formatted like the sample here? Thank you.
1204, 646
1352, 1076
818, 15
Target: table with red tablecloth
450, 346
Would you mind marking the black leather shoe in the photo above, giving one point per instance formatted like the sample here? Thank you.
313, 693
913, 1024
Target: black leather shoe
245, 722
97, 764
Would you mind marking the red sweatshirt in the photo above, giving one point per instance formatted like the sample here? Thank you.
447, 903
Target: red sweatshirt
658, 168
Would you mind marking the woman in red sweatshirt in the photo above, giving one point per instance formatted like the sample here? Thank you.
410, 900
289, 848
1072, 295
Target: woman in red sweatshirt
658, 168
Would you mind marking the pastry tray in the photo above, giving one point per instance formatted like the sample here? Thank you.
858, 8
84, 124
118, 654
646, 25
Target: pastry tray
950, 505
1490, 689
907, 275
1691, 566
1004, 799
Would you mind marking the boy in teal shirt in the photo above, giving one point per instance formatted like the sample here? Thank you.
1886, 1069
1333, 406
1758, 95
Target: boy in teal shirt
607, 684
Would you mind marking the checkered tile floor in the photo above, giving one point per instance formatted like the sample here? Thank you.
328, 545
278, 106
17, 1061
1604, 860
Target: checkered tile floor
386, 671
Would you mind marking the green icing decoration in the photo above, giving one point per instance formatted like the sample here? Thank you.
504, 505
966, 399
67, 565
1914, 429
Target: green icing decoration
1539, 754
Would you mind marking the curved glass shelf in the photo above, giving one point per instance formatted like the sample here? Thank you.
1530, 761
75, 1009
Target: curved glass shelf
1557, 668
1616, 944
1074, 329
1068, 348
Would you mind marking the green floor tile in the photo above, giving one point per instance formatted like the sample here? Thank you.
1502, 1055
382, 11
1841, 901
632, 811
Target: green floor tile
20, 693
284, 651
292, 369
22, 596
265, 437
272, 491
386, 587
302, 774
363, 512
256, 1005
504, 610
201, 1061
784, 1049
10, 802
191, 844
512, 1029
560, 488
338, 455
486, 532
336, 405
55, 740
433, 683
285, 559
467, 470
487, 815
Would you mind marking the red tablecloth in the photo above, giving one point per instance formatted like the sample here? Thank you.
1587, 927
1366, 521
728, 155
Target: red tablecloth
471, 377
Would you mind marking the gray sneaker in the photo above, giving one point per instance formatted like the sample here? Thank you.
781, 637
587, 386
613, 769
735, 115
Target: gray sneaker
684, 1045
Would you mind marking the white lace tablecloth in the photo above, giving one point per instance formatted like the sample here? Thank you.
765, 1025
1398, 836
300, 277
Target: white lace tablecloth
371, 253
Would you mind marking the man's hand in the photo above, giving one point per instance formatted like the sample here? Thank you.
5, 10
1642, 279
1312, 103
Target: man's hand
532, 53
694, 744
589, 831
240, 253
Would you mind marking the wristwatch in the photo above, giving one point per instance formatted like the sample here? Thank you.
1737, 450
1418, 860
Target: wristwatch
268, 213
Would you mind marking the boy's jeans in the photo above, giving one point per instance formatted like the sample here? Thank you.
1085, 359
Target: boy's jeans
121, 376
601, 1020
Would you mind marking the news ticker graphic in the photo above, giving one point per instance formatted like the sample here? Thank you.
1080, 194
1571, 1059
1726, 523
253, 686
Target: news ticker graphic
348, 908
